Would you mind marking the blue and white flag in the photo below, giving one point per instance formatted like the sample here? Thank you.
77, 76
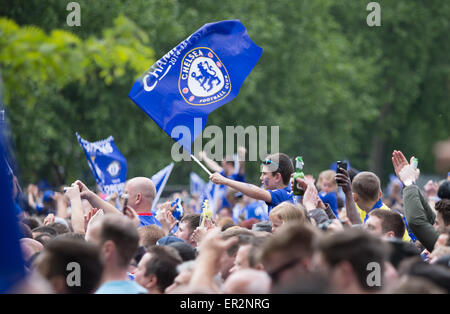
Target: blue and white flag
107, 164
12, 268
197, 185
202, 73
160, 180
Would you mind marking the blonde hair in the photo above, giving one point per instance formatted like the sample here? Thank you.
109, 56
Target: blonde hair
287, 211
326, 175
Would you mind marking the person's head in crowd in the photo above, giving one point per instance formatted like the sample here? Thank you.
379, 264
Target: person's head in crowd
414, 285
276, 171
288, 253
25, 231
118, 239
327, 182
249, 223
148, 235
48, 202
228, 165
366, 190
184, 274
71, 235
401, 250
158, 268
246, 256
442, 215
444, 190
64, 255
438, 274
44, 229
284, 213
264, 226
225, 212
168, 240
228, 258
385, 223
60, 228
186, 251
44, 238
344, 258
141, 192
187, 226
29, 248
225, 223
352, 172
32, 222
247, 281
233, 196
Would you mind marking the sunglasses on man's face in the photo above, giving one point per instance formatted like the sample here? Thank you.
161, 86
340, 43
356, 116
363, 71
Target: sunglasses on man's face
270, 162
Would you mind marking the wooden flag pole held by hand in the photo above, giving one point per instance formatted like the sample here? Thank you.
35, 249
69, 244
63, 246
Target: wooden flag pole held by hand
201, 165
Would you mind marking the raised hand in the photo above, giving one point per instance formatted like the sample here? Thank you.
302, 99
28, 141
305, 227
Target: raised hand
132, 214
343, 180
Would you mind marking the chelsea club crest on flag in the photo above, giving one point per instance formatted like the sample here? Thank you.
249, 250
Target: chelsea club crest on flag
202, 73
107, 164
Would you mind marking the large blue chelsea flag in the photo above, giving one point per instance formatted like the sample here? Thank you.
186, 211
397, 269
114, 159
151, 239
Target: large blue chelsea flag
202, 73
107, 164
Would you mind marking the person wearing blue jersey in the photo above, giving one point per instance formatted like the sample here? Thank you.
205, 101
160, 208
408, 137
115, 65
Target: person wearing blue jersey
276, 172
227, 170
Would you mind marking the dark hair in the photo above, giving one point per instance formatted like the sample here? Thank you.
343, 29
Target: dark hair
244, 237
285, 166
255, 249
163, 264
187, 252
123, 233
45, 229
443, 207
59, 227
438, 274
32, 222
444, 190
367, 186
60, 253
293, 239
359, 248
44, 238
25, 231
71, 235
390, 221
193, 221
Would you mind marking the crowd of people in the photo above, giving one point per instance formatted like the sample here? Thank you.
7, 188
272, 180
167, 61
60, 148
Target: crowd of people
343, 235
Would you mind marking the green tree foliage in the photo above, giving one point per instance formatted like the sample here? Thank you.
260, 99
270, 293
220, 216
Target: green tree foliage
336, 87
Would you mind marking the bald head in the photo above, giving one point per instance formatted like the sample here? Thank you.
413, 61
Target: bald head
141, 193
247, 281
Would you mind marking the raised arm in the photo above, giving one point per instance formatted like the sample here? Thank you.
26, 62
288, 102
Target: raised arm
343, 180
95, 200
211, 164
419, 215
248, 189
77, 214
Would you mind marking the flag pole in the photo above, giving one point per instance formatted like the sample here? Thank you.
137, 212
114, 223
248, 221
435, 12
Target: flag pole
201, 165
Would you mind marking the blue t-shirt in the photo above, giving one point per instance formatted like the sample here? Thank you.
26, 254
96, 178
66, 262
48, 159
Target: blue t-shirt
148, 219
256, 210
331, 199
121, 287
280, 196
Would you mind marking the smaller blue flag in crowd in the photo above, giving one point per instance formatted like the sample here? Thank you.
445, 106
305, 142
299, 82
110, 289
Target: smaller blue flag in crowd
202, 73
160, 180
107, 164
197, 185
